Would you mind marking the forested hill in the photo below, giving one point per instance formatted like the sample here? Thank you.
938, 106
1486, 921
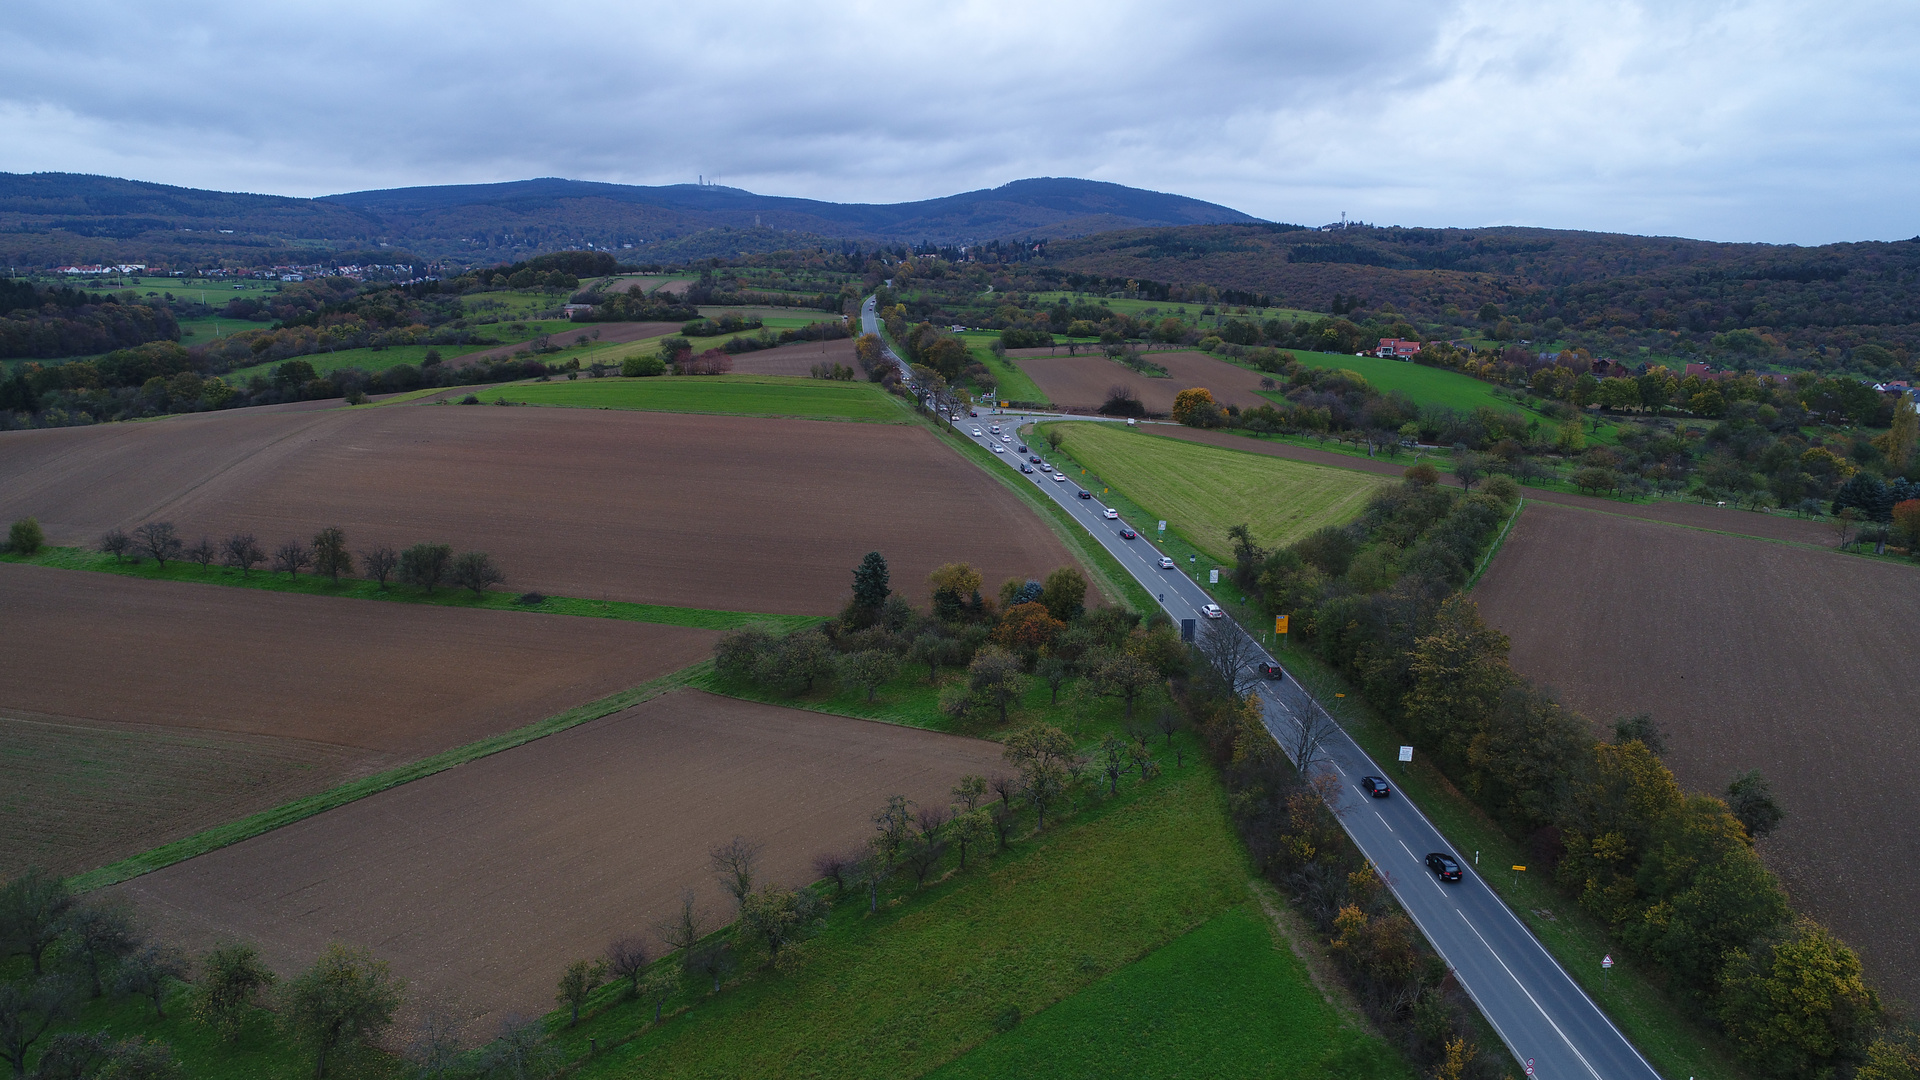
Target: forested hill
1613, 291
49, 218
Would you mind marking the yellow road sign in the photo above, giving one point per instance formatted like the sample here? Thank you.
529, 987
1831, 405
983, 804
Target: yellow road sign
1280, 623
1519, 868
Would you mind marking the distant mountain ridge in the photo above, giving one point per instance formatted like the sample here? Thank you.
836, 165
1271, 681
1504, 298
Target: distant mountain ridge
74, 218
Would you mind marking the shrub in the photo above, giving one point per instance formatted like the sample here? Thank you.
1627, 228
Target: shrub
475, 570
25, 537
636, 367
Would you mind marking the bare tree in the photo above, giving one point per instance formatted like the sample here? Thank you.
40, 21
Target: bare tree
735, 863
475, 570
150, 973
100, 935
158, 539
434, 1048
330, 554
1004, 786
684, 928
116, 544
28, 1012
627, 961
1307, 740
243, 551
379, 564
578, 981
292, 557
1230, 654
203, 552
714, 960
833, 866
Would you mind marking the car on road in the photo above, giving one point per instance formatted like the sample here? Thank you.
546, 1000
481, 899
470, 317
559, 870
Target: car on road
1025, 468
1035, 458
1006, 439
1166, 562
1129, 534
973, 412
1212, 611
1376, 786
1110, 513
1023, 449
1270, 671
1085, 494
997, 450
976, 433
995, 428
1059, 478
1443, 865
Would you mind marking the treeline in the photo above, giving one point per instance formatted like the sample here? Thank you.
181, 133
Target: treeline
1673, 875
65, 322
425, 566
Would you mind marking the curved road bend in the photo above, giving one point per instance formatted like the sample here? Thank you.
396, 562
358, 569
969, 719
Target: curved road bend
1540, 1013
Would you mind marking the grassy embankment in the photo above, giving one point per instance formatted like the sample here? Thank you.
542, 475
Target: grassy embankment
1202, 491
1010, 383
310, 585
737, 395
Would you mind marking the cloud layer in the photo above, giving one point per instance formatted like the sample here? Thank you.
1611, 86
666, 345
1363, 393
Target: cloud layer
1763, 121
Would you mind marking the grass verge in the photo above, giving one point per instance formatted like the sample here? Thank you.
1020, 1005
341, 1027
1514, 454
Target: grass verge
359, 589
267, 820
1658, 1024
736, 395
1224, 1000
1207, 490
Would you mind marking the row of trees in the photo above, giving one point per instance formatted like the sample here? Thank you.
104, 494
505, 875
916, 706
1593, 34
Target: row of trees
78, 952
426, 566
1674, 875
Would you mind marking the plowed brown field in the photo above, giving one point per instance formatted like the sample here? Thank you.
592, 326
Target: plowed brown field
797, 358
138, 711
479, 883
1749, 655
1081, 382
723, 512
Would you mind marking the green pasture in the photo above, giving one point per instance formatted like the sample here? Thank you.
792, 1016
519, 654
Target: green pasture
1203, 490
1188, 310
1426, 385
1010, 383
357, 588
928, 978
738, 395
1225, 1000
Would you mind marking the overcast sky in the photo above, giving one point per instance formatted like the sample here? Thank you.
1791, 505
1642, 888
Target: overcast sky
1769, 121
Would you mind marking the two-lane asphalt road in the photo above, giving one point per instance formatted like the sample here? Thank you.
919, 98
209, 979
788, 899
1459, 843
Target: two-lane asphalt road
1541, 1014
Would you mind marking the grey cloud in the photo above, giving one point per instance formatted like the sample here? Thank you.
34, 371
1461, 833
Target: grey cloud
1755, 120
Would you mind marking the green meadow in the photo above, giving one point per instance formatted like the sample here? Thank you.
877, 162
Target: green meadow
739, 395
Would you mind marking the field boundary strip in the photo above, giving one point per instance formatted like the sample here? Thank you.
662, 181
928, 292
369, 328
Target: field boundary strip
181, 571
1494, 548
266, 821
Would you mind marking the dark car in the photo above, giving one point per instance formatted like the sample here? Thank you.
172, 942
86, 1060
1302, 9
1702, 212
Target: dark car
1021, 450
1035, 458
973, 412
1271, 671
1128, 534
1444, 865
1086, 494
1375, 786
1025, 468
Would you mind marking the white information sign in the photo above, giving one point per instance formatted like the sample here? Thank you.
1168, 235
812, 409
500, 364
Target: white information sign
1406, 753
1163, 526
1213, 576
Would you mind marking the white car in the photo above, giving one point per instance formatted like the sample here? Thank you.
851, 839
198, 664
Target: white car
1059, 478
976, 433
997, 450
1006, 439
1110, 514
1166, 562
995, 429
1212, 611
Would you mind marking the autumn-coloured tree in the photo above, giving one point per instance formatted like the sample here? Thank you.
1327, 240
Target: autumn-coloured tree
1027, 628
1187, 402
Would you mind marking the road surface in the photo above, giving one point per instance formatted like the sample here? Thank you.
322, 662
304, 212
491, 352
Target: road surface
1542, 1016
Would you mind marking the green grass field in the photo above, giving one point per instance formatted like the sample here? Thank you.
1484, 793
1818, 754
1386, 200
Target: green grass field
1203, 491
1225, 1000
1428, 386
1010, 383
1185, 309
739, 395
919, 984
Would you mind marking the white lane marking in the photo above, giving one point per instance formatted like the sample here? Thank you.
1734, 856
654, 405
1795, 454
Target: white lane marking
1544, 1015
1383, 821
1408, 850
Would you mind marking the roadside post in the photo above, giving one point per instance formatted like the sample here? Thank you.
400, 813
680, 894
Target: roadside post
1606, 970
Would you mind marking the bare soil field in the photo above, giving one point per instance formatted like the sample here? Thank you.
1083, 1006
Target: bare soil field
797, 358
1749, 655
153, 709
1695, 515
610, 333
735, 513
1081, 382
481, 882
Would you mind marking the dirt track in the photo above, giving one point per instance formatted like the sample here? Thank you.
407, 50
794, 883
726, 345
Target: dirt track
1750, 655
220, 701
481, 882
1081, 382
701, 511
1696, 515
